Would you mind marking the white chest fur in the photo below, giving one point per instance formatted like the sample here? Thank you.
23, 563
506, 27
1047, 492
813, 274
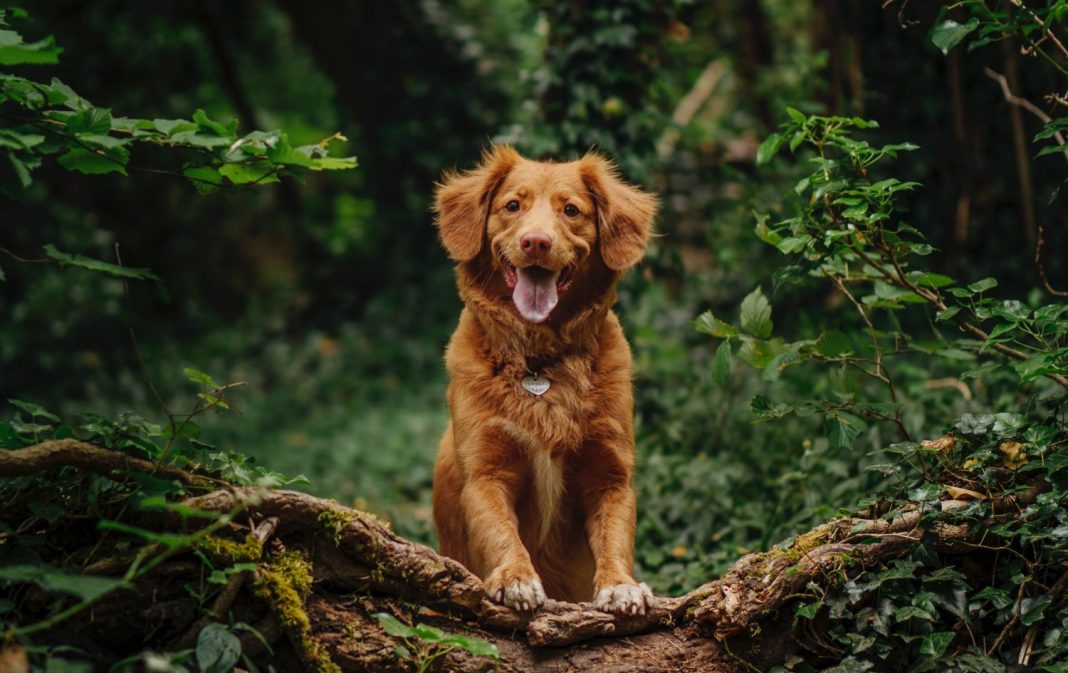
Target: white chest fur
549, 486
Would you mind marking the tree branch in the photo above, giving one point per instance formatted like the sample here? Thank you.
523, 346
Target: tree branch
56, 453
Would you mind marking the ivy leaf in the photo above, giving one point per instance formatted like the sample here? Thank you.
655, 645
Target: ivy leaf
949, 33
808, 610
934, 644
217, 649
756, 314
1032, 609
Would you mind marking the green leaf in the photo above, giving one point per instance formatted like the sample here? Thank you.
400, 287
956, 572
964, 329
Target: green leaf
948, 313
13, 51
983, 285
205, 123
85, 587
808, 610
95, 163
795, 114
756, 314
707, 323
91, 120
66, 259
393, 626
332, 163
768, 149
244, 173
843, 428
764, 409
61, 94
35, 410
1032, 609
171, 126
431, 634
217, 649
721, 365
23, 165
833, 343
476, 646
205, 178
196, 139
200, 377
934, 644
16, 140
949, 33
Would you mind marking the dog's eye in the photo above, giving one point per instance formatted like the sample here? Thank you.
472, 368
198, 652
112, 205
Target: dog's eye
571, 211
512, 206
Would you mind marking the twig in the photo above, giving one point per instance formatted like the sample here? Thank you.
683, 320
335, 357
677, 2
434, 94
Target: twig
690, 104
140, 359
1038, 112
932, 298
1046, 32
1023, 103
24, 260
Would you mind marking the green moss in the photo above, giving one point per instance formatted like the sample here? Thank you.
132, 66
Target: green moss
334, 521
284, 582
802, 545
226, 552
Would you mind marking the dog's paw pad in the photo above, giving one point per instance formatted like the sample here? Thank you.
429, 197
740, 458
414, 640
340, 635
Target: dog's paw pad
625, 599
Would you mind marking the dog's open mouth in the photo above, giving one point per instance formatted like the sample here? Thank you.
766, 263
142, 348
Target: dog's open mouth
536, 290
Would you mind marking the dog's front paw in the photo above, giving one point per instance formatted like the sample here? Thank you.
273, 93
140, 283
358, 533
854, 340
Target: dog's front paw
625, 599
518, 589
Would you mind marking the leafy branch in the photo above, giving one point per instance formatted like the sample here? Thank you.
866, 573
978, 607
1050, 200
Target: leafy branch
51, 119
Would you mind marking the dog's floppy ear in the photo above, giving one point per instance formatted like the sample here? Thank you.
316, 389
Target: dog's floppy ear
463, 200
624, 213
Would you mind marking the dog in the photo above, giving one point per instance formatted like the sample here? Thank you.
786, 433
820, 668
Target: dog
532, 483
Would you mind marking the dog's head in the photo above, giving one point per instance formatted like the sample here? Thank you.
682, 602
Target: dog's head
541, 228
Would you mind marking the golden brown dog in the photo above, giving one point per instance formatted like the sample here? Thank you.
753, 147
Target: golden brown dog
532, 487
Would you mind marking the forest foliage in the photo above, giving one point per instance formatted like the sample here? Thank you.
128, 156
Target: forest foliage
856, 303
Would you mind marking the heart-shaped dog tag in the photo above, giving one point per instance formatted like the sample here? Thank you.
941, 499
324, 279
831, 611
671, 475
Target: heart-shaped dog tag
536, 385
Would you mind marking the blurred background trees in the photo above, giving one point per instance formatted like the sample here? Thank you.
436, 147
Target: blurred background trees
333, 300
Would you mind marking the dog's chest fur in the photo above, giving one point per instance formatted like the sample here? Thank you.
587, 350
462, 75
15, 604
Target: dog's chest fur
555, 420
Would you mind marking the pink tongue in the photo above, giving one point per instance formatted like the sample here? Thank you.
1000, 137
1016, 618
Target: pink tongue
535, 293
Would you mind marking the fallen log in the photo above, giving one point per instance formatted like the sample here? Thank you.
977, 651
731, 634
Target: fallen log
323, 571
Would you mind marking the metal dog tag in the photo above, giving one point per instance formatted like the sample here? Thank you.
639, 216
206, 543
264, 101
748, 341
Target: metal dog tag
535, 385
